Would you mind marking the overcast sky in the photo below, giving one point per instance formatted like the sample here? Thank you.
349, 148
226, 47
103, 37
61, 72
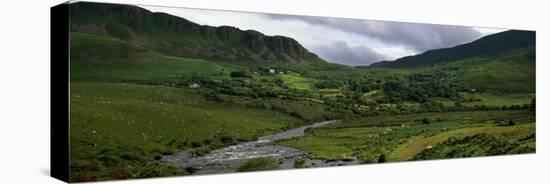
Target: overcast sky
345, 41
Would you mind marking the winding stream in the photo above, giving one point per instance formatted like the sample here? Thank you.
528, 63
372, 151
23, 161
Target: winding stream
227, 159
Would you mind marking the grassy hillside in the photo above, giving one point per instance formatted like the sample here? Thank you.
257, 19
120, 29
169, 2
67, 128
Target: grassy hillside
509, 72
486, 46
401, 137
98, 58
480, 145
118, 128
419, 144
490, 99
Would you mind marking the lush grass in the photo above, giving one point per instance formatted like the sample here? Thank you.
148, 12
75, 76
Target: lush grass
322, 147
490, 99
98, 58
417, 144
369, 138
330, 92
509, 72
259, 164
367, 143
295, 81
468, 117
371, 97
482, 144
116, 128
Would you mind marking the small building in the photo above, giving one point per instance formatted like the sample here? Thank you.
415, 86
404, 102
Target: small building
271, 70
194, 86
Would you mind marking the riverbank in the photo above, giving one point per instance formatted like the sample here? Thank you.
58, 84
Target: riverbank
227, 159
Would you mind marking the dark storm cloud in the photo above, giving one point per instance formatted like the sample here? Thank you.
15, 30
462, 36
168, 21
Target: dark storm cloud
417, 37
340, 52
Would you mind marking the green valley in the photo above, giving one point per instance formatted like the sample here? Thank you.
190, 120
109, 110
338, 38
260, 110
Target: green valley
148, 86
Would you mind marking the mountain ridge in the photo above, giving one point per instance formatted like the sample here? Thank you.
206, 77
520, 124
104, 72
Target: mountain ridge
181, 37
488, 45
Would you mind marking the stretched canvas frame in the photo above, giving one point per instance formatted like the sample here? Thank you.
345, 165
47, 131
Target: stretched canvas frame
140, 91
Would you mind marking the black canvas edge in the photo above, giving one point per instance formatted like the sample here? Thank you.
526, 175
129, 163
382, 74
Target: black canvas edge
59, 92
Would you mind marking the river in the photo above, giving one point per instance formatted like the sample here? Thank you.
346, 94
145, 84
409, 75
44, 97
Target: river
227, 159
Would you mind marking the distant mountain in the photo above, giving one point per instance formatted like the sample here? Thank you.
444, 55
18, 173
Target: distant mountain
177, 36
489, 45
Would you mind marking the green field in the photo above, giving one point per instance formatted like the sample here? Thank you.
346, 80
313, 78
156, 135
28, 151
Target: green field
109, 121
131, 105
420, 143
295, 81
491, 99
402, 137
372, 96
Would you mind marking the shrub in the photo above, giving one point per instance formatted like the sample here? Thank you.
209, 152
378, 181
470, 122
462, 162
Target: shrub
300, 163
86, 165
181, 145
157, 170
200, 151
425, 121
206, 141
511, 123
195, 144
476, 145
382, 158
168, 152
110, 160
296, 115
240, 74
258, 164
133, 156
190, 170
226, 139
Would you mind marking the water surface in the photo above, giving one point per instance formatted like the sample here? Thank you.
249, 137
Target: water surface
227, 159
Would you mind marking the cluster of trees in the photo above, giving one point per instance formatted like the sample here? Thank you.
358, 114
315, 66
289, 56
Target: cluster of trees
358, 85
212, 88
420, 87
329, 84
363, 85
395, 90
